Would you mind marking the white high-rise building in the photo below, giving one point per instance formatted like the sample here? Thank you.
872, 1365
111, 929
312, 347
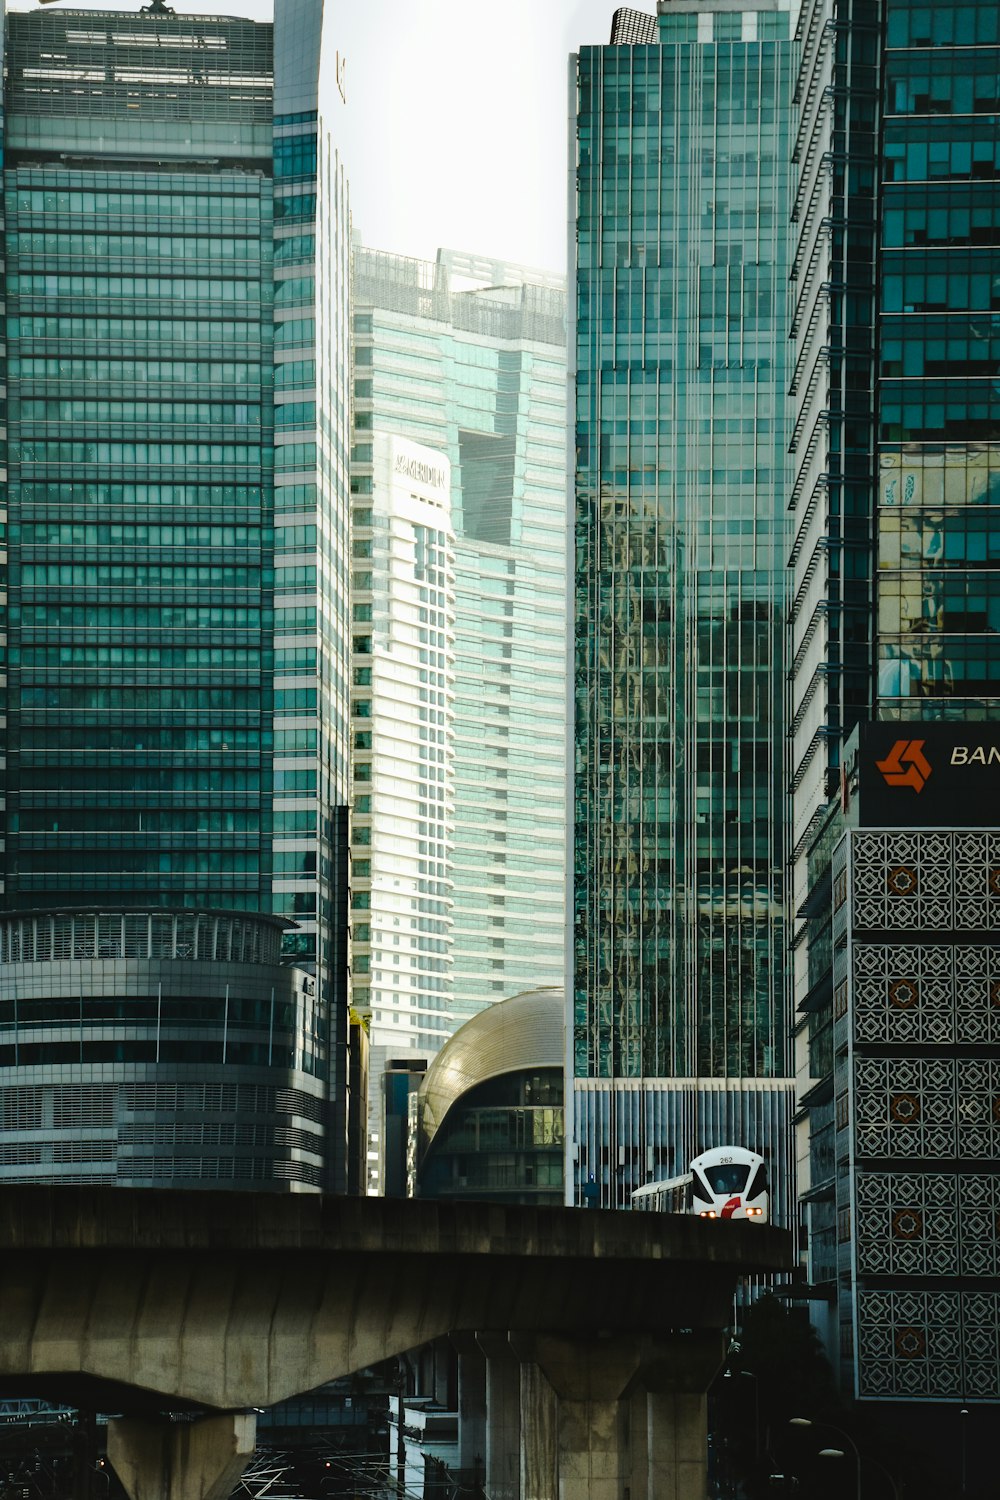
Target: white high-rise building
466, 355
402, 709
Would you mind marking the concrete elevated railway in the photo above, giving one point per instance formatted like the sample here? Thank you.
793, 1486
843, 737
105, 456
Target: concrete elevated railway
205, 1305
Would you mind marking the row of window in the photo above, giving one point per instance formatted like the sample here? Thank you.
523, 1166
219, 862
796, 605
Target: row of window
295, 497
98, 492
300, 414
149, 575
155, 1010
145, 820
957, 666
222, 197
943, 25
295, 373
927, 412
129, 697
295, 248
940, 288
957, 155
248, 1054
218, 658
240, 745
958, 84
942, 216
64, 451
292, 456
293, 742
81, 287
945, 538
298, 660
298, 206
183, 780
78, 410
122, 534
42, 695
245, 328
116, 862
295, 156
174, 247
97, 616
137, 372
920, 350
936, 602
299, 579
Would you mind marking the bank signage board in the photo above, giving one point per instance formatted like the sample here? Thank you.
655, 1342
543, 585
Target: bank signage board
913, 775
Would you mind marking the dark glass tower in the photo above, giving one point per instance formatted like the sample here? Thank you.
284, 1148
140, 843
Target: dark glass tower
897, 611
682, 261
176, 253
938, 363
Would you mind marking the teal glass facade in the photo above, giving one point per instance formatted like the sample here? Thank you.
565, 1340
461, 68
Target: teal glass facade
938, 402
177, 254
682, 210
140, 626
467, 356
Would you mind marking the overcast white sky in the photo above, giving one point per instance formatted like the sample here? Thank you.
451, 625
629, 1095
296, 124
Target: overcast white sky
455, 126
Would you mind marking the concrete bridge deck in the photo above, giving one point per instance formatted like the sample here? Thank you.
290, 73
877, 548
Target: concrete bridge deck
141, 1300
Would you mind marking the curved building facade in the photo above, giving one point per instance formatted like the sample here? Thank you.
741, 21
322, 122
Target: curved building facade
158, 1048
490, 1109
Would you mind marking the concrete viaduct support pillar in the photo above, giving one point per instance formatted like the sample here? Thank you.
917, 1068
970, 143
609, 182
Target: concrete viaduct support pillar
574, 1432
539, 1415
471, 1404
677, 1456
503, 1417
602, 1417
676, 1374
200, 1460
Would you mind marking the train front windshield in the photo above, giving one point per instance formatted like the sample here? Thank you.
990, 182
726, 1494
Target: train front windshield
731, 1179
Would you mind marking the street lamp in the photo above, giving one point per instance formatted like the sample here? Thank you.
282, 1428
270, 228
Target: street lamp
749, 1375
839, 1453
829, 1452
963, 1417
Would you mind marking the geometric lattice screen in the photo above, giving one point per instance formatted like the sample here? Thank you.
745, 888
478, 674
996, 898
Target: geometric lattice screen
937, 1344
927, 1224
924, 987
927, 1108
933, 993
927, 882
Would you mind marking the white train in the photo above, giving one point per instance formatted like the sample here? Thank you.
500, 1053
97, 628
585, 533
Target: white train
727, 1182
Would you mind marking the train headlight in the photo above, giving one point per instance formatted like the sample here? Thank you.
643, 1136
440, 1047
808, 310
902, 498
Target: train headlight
708, 1213
753, 1213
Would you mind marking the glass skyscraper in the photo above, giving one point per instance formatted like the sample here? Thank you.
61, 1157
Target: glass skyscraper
176, 251
140, 464
466, 357
938, 402
681, 194
897, 424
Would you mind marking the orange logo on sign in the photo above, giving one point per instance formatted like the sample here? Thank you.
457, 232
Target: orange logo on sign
906, 765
